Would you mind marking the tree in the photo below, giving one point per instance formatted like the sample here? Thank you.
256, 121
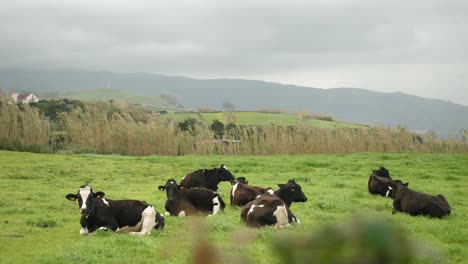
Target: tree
218, 128
229, 107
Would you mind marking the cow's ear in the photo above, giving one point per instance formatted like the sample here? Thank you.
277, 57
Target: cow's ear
406, 184
161, 187
181, 187
246, 182
71, 197
99, 195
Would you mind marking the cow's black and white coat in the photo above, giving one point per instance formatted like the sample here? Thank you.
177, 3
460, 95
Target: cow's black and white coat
182, 201
132, 216
242, 193
268, 209
272, 208
207, 178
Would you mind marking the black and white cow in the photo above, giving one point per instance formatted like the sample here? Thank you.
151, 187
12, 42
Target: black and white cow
182, 201
272, 207
132, 216
290, 192
242, 193
207, 178
415, 203
268, 209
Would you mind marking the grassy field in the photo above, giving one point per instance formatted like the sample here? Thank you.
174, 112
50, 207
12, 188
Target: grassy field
39, 225
106, 95
257, 118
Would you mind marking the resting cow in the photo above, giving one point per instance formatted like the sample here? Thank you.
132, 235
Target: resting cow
135, 217
182, 201
272, 208
378, 186
290, 192
415, 203
267, 209
207, 178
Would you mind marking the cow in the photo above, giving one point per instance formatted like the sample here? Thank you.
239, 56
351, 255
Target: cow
268, 209
207, 178
272, 207
378, 186
123, 216
415, 203
241, 193
182, 201
290, 192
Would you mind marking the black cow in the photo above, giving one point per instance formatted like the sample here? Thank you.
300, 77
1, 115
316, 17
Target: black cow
415, 203
135, 217
378, 186
272, 208
268, 209
182, 201
207, 178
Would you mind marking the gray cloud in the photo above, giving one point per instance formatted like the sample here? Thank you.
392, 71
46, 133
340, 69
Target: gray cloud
370, 44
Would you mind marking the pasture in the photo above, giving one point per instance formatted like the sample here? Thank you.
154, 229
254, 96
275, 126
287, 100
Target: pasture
259, 118
39, 225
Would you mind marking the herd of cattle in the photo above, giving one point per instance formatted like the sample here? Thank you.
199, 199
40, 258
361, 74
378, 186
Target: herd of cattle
197, 194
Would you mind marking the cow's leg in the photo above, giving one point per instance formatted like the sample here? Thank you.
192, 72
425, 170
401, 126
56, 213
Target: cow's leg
281, 214
216, 206
84, 231
148, 221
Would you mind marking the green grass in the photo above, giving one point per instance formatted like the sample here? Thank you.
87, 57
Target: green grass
39, 225
257, 118
117, 96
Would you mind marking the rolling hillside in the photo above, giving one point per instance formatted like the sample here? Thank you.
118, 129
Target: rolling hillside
347, 104
257, 118
118, 96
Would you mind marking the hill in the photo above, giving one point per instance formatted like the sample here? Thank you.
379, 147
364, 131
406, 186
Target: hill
156, 102
257, 118
347, 104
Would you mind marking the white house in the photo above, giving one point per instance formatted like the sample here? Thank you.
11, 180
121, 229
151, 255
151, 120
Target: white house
25, 98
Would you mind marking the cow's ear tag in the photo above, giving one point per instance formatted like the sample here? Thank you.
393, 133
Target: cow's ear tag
181, 187
72, 199
98, 195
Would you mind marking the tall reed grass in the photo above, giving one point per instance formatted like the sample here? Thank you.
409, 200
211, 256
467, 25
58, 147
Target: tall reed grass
23, 129
94, 130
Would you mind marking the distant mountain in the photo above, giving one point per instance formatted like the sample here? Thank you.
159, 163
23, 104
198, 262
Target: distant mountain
347, 104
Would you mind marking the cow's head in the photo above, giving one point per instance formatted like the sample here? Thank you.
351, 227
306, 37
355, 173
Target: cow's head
396, 186
392, 185
382, 172
240, 180
85, 197
291, 192
172, 189
224, 174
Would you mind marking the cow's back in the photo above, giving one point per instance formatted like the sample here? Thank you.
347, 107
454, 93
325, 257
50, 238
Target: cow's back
416, 203
127, 212
245, 193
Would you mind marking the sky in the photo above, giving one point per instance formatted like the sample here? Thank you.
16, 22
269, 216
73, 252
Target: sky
416, 47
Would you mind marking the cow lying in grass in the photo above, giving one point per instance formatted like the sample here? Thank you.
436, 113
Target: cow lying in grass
290, 192
242, 193
378, 180
415, 203
207, 178
132, 216
272, 208
182, 201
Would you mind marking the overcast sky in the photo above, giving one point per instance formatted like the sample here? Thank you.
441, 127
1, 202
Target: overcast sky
416, 47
